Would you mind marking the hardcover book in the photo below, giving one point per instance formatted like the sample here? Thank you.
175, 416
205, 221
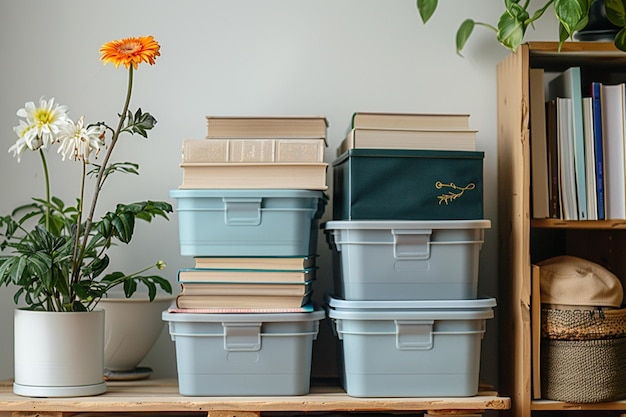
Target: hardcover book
242, 301
259, 262
246, 289
266, 126
361, 138
272, 276
249, 175
381, 120
253, 150
568, 85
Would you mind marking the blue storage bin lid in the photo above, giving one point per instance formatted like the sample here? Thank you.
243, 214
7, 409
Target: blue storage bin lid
406, 224
481, 308
207, 192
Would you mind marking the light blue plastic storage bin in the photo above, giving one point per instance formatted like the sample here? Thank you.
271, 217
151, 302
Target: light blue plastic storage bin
243, 354
406, 260
248, 222
411, 348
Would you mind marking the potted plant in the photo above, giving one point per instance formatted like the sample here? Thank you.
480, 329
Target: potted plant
572, 15
56, 253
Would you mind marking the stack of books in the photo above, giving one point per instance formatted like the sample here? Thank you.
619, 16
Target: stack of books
284, 152
421, 131
240, 284
267, 158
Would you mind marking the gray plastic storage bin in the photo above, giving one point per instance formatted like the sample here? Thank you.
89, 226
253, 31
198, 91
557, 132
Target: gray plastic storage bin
248, 222
411, 348
243, 354
406, 260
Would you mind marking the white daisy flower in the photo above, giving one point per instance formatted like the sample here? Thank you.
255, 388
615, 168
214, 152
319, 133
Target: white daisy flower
78, 142
44, 122
22, 144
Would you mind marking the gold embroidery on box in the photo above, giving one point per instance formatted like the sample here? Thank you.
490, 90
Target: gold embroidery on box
452, 195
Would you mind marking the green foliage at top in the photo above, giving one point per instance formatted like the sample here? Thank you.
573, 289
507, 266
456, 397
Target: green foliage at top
518, 16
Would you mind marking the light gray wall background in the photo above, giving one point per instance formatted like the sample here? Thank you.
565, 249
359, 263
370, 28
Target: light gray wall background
240, 57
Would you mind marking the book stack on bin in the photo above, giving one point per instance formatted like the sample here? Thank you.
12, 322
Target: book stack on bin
248, 209
406, 235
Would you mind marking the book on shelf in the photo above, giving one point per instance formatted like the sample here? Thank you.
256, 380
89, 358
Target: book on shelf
307, 308
568, 85
224, 275
590, 159
567, 171
613, 136
258, 262
284, 175
242, 301
553, 161
266, 127
245, 288
461, 140
598, 149
382, 120
538, 146
253, 150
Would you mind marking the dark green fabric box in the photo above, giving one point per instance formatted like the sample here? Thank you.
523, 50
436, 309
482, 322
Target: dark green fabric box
392, 184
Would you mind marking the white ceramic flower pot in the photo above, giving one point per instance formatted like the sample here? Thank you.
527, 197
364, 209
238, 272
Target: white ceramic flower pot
132, 326
59, 354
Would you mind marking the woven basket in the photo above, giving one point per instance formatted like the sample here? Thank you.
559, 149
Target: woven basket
557, 324
583, 371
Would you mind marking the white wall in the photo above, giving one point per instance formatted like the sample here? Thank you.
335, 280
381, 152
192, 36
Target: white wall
241, 57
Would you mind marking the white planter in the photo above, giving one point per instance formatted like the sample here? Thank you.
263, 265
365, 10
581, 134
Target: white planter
132, 326
59, 354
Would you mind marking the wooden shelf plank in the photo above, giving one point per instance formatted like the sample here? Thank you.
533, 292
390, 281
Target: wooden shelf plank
547, 405
162, 396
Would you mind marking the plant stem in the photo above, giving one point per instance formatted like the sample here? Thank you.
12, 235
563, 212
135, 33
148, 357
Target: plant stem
47, 182
79, 221
101, 173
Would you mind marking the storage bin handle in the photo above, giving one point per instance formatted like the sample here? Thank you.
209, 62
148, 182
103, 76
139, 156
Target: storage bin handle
242, 337
414, 334
411, 244
242, 211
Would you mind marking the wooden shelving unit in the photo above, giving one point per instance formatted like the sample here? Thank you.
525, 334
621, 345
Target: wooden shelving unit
523, 240
161, 396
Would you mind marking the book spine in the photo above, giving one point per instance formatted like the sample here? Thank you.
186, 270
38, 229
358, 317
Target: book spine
598, 147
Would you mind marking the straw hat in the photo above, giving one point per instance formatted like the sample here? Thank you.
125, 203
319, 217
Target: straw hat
569, 280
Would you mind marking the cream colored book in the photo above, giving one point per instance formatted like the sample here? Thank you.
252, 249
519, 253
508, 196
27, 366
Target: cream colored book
246, 289
284, 175
459, 140
266, 126
260, 262
242, 301
253, 150
382, 120
207, 275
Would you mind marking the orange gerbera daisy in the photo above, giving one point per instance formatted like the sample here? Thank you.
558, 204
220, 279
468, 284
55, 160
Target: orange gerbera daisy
130, 51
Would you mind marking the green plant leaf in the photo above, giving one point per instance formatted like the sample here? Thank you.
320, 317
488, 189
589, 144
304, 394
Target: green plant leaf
512, 28
124, 226
139, 123
463, 33
571, 14
620, 40
130, 286
616, 12
426, 9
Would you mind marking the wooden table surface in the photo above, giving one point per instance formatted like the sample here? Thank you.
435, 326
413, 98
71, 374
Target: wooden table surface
161, 395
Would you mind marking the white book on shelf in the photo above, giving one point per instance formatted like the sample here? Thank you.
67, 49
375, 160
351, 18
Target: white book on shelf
568, 85
590, 159
613, 133
567, 173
